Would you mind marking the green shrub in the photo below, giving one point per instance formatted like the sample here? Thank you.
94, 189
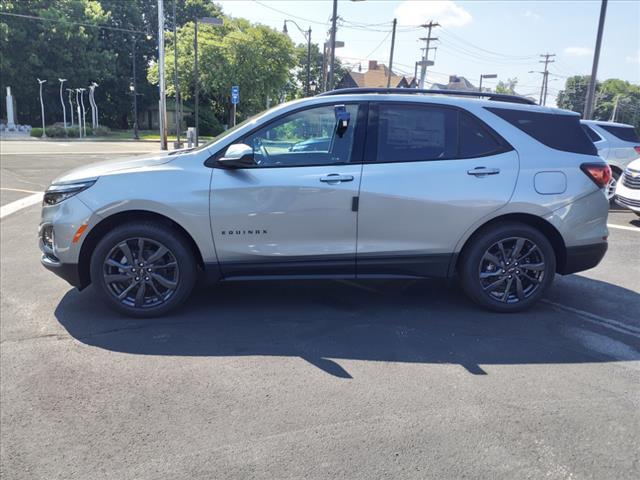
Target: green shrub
209, 123
36, 132
101, 131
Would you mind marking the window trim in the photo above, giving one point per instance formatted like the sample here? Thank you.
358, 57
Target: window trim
356, 151
371, 147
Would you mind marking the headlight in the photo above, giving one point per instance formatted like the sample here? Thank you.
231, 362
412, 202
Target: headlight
57, 193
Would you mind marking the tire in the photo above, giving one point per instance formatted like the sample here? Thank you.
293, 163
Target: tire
485, 281
166, 278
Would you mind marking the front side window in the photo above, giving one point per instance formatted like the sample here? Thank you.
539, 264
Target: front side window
309, 137
409, 133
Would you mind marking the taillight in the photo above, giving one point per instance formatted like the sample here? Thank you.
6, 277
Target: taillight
600, 173
637, 149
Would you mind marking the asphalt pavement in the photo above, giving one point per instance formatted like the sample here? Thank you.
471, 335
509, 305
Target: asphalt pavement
322, 379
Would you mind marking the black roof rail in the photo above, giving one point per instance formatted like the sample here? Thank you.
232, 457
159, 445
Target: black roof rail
498, 97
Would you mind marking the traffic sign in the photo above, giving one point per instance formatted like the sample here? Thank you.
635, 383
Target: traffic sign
235, 94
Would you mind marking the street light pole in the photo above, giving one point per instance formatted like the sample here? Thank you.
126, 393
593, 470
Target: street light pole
196, 78
176, 81
135, 93
487, 75
64, 110
162, 103
79, 112
307, 35
44, 133
84, 112
70, 92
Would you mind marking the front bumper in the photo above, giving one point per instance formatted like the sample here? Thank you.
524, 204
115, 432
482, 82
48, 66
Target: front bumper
583, 257
627, 197
67, 271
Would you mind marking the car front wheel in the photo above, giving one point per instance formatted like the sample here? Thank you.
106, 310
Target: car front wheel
508, 267
144, 269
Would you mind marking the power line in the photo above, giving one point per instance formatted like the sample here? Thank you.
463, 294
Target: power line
70, 22
378, 46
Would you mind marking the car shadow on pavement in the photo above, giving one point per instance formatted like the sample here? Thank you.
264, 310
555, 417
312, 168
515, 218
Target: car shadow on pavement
325, 321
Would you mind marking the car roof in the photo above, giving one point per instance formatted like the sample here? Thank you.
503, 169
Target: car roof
449, 99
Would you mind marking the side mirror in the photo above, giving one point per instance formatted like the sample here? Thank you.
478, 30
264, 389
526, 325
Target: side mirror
238, 155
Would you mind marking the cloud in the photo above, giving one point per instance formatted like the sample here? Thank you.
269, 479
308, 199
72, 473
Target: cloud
578, 51
445, 12
633, 59
534, 15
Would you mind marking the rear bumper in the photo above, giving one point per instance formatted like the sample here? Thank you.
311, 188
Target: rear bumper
67, 271
583, 257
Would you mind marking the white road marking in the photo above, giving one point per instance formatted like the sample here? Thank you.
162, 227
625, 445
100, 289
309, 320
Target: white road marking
624, 227
19, 190
598, 320
25, 202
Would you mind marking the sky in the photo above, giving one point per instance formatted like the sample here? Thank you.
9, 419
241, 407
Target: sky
475, 37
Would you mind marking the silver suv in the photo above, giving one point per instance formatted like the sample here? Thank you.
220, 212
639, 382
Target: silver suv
617, 143
356, 183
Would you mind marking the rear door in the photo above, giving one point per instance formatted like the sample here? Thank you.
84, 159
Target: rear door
430, 172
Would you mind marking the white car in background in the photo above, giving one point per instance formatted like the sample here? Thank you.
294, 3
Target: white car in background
617, 143
628, 189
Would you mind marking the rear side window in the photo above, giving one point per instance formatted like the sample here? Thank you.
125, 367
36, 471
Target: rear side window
409, 133
591, 133
475, 140
557, 131
628, 134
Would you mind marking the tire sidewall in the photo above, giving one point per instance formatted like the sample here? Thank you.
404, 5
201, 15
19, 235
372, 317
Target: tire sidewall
170, 239
482, 242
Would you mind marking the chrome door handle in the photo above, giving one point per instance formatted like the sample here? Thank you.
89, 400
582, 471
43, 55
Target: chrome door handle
482, 171
336, 178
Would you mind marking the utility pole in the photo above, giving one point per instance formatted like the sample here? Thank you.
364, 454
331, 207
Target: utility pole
589, 103
162, 103
545, 77
333, 46
393, 43
176, 81
425, 58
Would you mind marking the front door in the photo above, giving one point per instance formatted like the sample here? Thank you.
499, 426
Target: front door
293, 212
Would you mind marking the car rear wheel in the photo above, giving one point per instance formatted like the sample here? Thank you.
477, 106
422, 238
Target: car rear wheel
507, 267
611, 187
143, 270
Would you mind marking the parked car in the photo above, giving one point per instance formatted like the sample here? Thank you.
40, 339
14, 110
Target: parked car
500, 193
311, 145
617, 143
628, 188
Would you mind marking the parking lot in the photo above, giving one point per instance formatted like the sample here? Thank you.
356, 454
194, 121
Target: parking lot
322, 379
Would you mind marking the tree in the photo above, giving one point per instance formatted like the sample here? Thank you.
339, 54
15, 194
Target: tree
574, 94
508, 87
50, 49
256, 58
608, 93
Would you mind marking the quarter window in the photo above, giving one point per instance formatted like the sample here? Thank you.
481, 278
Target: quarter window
408, 133
305, 138
475, 140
